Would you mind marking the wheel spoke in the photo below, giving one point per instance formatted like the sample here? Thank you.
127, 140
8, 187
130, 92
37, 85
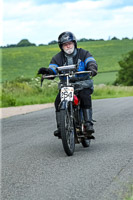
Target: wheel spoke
68, 138
69, 131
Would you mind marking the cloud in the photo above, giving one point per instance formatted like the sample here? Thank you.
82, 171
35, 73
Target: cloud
42, 23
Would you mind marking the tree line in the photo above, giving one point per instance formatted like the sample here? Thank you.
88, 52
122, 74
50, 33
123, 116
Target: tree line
26, 43
86, 40
22, 43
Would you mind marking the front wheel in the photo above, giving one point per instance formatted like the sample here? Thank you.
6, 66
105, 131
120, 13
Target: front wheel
67, 132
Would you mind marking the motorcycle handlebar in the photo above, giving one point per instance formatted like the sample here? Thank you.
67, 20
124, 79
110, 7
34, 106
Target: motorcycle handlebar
68, 70
65, 74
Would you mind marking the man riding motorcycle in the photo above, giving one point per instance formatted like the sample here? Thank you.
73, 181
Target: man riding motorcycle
70, 55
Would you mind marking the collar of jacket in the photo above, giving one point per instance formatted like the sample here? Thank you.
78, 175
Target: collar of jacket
69, 57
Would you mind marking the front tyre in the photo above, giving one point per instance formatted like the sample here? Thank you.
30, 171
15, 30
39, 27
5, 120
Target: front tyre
67, 132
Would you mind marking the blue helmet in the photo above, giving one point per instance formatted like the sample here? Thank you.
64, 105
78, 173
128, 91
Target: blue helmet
66, 37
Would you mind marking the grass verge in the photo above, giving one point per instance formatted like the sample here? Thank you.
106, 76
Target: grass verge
24, 91
129, 195
108, 91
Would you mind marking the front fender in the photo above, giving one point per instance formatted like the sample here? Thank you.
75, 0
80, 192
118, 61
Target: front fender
63, 105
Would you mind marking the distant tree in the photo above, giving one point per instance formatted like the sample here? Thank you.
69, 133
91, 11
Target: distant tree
101, 39
11, 45
53, 42
114, 38
42, 45
83, 40
125, 74
91, 39
126, 38
24, 43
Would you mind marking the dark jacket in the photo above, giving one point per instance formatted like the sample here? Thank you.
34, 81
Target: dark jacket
85, 62
83, 58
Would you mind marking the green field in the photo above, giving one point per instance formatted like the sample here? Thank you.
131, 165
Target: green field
20, 86
106, 78
27, 60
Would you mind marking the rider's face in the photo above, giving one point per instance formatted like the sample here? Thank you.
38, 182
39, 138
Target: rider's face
68, 47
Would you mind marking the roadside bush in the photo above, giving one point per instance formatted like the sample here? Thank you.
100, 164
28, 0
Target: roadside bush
25, 92
7, 100
125, 74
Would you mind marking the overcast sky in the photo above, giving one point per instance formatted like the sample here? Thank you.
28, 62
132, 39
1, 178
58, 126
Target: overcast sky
41, 21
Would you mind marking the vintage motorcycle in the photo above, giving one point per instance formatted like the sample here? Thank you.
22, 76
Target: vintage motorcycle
71, 116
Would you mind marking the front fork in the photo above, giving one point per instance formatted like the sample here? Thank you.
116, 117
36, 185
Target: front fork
64, 105
68, 105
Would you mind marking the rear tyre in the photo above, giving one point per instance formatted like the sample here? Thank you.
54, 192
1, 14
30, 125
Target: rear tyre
67, 132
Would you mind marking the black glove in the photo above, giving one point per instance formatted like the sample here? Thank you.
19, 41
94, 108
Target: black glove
93, 69
74, 79
93, 73
43, 71
82, 78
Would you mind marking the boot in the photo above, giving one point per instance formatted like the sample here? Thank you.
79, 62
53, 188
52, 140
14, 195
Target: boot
57, 132
87, 113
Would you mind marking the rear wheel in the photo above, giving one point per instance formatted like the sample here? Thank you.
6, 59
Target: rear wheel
67, 132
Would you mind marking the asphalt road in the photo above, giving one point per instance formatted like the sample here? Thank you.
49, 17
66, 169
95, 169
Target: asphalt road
35, 167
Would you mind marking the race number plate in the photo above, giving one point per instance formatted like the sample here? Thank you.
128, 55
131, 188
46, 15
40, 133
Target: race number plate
67, 93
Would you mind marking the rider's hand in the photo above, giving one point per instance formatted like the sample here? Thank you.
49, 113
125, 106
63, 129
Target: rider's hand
74, 79
43, 71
